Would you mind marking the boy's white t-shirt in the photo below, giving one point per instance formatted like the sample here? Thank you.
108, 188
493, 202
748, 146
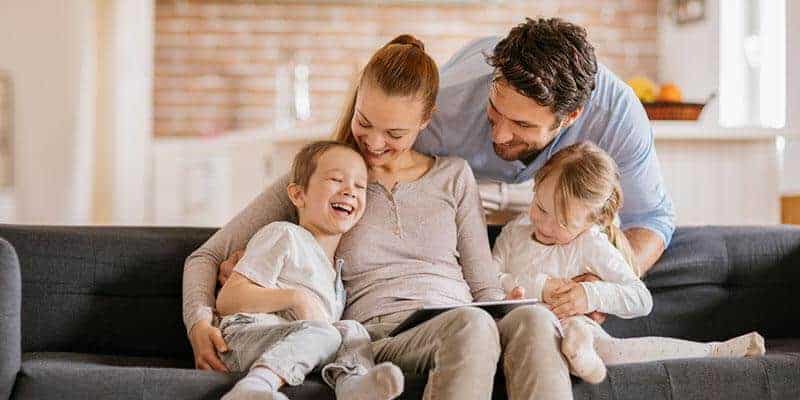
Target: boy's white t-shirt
284, 255
525, 262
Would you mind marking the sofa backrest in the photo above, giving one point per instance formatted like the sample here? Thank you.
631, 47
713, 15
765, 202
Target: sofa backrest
718, 282
103, 290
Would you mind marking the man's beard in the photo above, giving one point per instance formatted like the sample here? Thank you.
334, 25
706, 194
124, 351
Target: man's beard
517, 151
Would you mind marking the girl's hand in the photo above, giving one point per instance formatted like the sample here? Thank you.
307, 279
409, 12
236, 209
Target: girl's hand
569, 300
517, 293
207, 342
550, 286
306, 307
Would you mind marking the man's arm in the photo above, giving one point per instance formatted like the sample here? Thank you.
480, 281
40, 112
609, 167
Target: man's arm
647, 248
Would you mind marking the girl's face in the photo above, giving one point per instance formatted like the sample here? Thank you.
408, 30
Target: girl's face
547, 229
385, 127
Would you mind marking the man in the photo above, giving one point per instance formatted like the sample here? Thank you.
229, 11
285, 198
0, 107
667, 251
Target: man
507, 105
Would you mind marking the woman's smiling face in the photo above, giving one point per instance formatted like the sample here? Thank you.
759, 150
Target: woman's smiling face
385, 127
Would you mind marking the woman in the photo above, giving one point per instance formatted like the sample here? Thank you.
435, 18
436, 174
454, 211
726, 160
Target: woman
422, 241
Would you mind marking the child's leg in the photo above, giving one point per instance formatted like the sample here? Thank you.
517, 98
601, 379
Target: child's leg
578, 347
354, 374
276, 353
633, 350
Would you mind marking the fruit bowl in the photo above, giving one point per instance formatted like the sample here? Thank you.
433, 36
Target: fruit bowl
665, 110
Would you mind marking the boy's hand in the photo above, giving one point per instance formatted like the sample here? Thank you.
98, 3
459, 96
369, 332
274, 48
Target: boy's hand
307, 308
550, 286
207, 343
226, 268
569, 300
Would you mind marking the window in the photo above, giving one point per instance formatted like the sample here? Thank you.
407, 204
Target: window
752, 67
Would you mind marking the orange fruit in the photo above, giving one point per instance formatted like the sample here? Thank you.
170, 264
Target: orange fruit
670, 92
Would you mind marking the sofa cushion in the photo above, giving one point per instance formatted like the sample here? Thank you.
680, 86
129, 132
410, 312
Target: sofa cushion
774, 376
66, 376
83, 376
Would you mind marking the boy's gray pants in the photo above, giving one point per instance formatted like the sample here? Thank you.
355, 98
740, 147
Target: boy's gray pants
292, 349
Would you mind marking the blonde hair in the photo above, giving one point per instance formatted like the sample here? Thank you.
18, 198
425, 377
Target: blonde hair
305, 162
399, 68
587, 174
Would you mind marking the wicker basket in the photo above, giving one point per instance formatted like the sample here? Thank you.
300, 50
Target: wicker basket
673, 111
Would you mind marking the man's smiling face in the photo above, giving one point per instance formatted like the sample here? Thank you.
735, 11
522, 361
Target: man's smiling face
521, 128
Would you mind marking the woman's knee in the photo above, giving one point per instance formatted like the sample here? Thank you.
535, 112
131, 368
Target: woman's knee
535, 318
472, 327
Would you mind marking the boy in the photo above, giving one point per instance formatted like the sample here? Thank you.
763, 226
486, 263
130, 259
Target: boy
284, 294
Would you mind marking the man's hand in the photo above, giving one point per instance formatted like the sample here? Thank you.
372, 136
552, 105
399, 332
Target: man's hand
226, 268
595, 315
569, 300
550, 285
207, 343
306, 307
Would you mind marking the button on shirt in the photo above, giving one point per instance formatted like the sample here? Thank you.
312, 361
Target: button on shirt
613, 118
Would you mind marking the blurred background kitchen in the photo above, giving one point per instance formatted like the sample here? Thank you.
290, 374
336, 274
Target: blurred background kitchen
178, 112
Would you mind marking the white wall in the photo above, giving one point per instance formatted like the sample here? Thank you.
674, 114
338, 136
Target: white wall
790, 182
82, 75
47, 48
124, 111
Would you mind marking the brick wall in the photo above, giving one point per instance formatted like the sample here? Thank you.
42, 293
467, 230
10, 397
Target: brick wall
217, 62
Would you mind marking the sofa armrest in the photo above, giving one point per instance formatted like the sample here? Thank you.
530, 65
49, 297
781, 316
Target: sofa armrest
10, 298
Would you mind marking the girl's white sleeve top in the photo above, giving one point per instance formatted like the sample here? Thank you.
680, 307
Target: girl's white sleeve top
524, 262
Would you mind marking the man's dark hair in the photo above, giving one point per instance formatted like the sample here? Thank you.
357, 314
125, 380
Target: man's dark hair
548, 60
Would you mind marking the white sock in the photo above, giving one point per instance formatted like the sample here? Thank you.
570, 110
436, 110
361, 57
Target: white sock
578, 347
260, 383
749, 345
382, 382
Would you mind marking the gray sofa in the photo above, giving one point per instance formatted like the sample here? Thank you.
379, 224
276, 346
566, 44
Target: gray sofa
91, 313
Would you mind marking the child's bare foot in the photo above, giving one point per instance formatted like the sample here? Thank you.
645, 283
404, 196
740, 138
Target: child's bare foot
578, 347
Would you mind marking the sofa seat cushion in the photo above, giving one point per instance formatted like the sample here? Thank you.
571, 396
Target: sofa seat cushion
773, 376
65, 376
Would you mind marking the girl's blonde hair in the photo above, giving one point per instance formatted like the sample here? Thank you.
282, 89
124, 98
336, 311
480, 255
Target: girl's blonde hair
587, 174
399, 68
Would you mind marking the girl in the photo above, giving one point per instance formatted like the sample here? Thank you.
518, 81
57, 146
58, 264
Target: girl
571, 231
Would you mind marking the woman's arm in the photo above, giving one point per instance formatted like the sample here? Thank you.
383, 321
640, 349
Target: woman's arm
201, 267
477, 265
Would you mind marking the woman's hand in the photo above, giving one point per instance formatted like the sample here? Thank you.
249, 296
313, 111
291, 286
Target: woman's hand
569, 300
597, 316
207, 343
226, 268
306, 307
